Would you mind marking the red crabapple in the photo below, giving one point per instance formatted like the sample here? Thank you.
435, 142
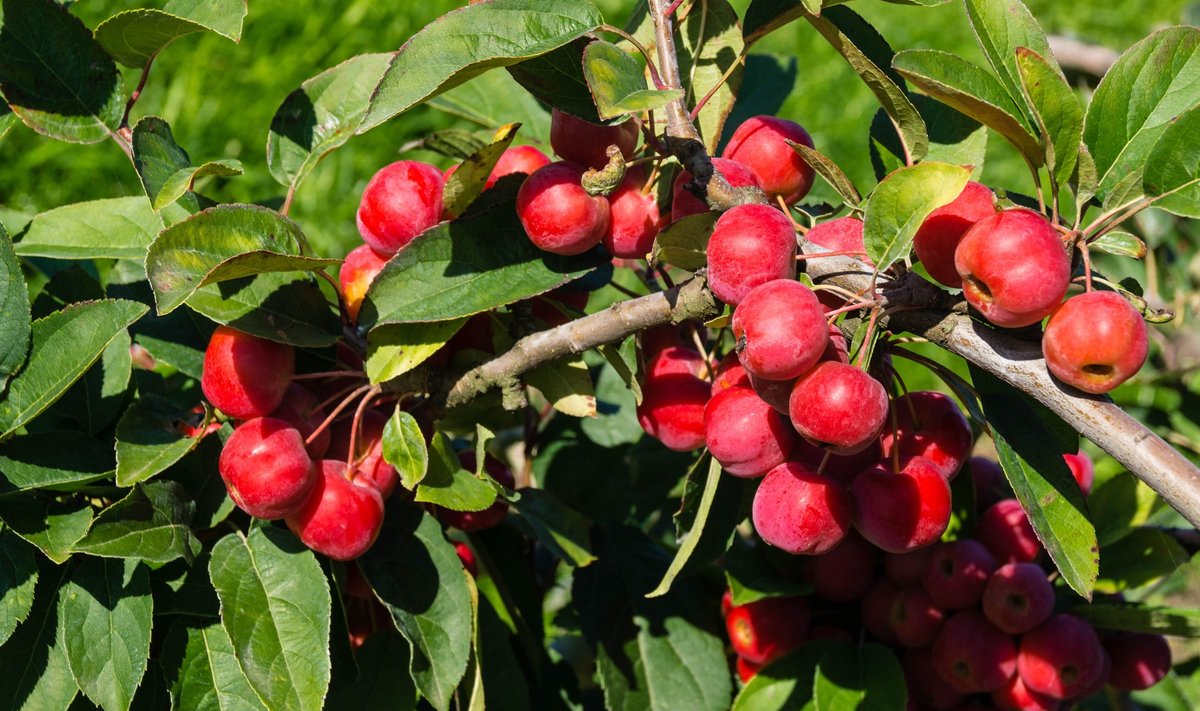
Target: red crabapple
730, 374
1007, 533
634, 218
746, 669
1139, 660
299, 409
847, 571
938, 236
839, 407
266, 468
973, 655
676, 360
760, 143
369, 464
1082, 469
746, 435
685, 204
586, 143
1015, 696
916, 620
776, 393
359, 269
990, 483
558, 214
750, 245
1060, 658
925, 685
909, 568
958, 574
764, 630
246, 376
930, 425
341, 518
780, 329
517, 159
1014, 267
901, 511
401, 201
672, 410
467, 557
844, 234
1095, 341
1018, 597
800, 511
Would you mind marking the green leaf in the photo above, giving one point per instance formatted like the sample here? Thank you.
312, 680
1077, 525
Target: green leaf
871, 58
221, 244
321, 116
451, 50
150, 524
616, 420
447, 484
1141, 557
104, 620
971, 90
404, 448
275, 605
394, 350
684, 243
709, 44
18, 577
182, 180
416, 574
7, 119
495, 99
567, 385
618, 82
868, 678
379, 686
472, 174
116, 228
14, 311
202, 670
1085, 182
56, 459
52, 526
1119, 506
1154, 81
556, 78
1136, 617
157, 157
684, 664
766, 16
468, 266
1030, 453
830, 171
1121, 244
54, 76
38, 675
96, 400
1001, 26
65, 344
135, 37
786, 683
200, 478
900, 204
560, 528
288, 308
1056, 111
149, 440
1173, 168
751, 577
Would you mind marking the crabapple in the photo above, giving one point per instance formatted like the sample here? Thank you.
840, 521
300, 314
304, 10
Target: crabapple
730, 374
266, 468
584, 142
746, 669
973, 655
1095, 341
1014, 267
516, 159
990, 483
1018, 597
928, 424
487, 518
781, 330
915, 619
847, 571
1015, 696
750, 245
958, 574
369, 464
401, 201
558, 214
359, 269
341, 518
842, 467
877, 609
1139, 660
909, 568
246, 376
676, 360
672, 410
467, 557
800, 511
1082, 469
938, 236
1060, 658
776, 393
301, 410
838, 406
685, 204
845, 234
925, 685
764, 630
746, 435
634, 218
900, 511
1007, 533
760, 143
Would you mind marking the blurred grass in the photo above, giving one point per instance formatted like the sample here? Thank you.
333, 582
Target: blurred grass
219, 97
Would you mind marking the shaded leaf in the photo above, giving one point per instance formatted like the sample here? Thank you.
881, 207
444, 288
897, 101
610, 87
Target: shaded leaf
404, 448
202, 671
471, 176
14, 310
901, 202
786, 683
830, 171
96, 400
618, 82
149, 439
684, 243
766, 16
378, 685
561, 529
52, 526
135, 37
867, 677
567, 384
495, 99
1173, 168
1121, 244
56, 459
616, 420
181, 181
18, 578
557, 79
1136, 617
150, 524
1137, 559
38, 675
116, 228
287, 308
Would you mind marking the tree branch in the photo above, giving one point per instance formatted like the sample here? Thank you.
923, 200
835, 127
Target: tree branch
1081, 57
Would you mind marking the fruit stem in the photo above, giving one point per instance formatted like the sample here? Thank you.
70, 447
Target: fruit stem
703, 351
787, 211
329, 374
824, 460
865, 347
370, 395
818, 255
857, 306
1087, 264
895, 440
654, 76
336, 411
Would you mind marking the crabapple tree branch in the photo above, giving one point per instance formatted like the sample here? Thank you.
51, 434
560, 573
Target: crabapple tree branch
1081, 56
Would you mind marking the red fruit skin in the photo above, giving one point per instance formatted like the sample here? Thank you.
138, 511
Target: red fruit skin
1015, 696
764, 630
340, 519
838, 406
469, 521
266, 469
1014, 267
659, 338
901, 512
781, 330
760, 143
847, 571
1007, 533
1095, 341
517, 159
844, 468
726, 603
467, 556
300, 410
746, 435
1018, 597
557, 306
587, 143
246, 376
1139, 660
1061, 658
909, 568
750, 245
800, 511
845, 234
358, 270
676, 360
1100, 681
672, 410
928, 424
401, 201
776, 393
1082, 469
730, 374
972, 655
958, 574
924, 684
916, 620
558, 214
877, 610
370, 466
746, 669
990, 483
685, 204
938, 236
635, 218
